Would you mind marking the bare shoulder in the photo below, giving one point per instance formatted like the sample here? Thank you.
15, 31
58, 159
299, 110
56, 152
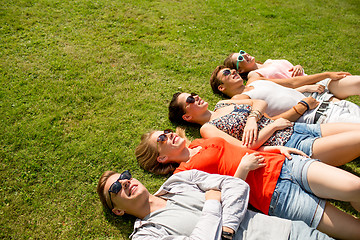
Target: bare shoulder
253, 76
239, 97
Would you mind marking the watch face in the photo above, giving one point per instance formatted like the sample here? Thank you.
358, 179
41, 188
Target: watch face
227, 235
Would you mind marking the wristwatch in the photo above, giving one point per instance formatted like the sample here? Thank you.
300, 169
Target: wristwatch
227, 235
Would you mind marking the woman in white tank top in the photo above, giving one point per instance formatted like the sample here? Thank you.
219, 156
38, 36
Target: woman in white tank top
283, 69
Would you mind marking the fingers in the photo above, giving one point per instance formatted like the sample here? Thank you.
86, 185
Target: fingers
249, 136
287, 155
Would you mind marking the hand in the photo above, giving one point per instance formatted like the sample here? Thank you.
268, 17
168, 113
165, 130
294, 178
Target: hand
315, 88
250, 131
338, 75
297, 71
312, 102
252, 161
286, 151
281, 123
213, 194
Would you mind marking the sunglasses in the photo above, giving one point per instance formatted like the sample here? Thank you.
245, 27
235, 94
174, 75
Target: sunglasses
240, 58
162, 137
226, 72
116, 186
191, 99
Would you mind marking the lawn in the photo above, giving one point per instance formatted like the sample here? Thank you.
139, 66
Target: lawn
82, 80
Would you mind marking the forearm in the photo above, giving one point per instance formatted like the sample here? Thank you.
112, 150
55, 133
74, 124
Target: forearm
264, 135
234, 206
271, 149
293, 114
302, 89
241, 173
259, 105
299, 81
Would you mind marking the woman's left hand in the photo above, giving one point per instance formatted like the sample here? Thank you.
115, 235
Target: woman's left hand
297, 71
250, 131
286, 151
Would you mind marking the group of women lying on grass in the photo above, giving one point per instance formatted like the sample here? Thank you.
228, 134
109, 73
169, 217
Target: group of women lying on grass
287, 159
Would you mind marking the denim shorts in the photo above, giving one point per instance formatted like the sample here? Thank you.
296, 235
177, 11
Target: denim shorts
304, 136
292, 198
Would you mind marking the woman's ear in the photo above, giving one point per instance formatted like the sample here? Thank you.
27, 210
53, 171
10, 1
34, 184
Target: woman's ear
221, 88
162, 159
118, 212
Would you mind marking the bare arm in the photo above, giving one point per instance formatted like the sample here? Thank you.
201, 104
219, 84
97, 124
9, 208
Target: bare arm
248, 163
292, 114
210, 131
299, 81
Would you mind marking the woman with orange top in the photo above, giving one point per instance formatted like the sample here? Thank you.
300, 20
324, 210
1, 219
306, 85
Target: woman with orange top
292, 187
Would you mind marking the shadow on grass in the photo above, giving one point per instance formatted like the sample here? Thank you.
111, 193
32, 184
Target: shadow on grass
124, 223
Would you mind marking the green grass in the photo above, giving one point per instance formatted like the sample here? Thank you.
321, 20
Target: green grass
82, 80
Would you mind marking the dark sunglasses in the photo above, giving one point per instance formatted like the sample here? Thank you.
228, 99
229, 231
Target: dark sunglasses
226, 72
162, 137
240, 58
191, 99
116, 186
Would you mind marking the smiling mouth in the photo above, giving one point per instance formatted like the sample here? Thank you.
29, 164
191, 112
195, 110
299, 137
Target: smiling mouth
132, 189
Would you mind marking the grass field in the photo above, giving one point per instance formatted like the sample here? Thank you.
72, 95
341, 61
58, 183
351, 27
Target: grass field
82, 80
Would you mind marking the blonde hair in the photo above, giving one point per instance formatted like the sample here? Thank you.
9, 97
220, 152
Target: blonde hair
100, 189
146, 154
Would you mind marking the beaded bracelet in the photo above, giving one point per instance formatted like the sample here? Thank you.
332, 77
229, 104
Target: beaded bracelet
305, 104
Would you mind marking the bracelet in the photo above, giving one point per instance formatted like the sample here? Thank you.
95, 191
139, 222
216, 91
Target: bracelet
254, 115
305, 104
226, 235
297, 111
258, 112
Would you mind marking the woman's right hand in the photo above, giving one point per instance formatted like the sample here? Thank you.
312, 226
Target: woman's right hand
297, 71
281, 123
312, 102
252, 161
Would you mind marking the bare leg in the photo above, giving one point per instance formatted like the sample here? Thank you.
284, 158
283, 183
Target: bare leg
345, 87
329, 182
338, 224
337, 149
328, 129
334, 183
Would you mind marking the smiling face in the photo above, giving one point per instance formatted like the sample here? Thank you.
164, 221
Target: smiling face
171, 148
198, 107
132, 196
247, 65
230, 82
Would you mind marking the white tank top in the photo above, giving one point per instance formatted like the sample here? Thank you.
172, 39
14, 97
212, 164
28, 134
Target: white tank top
279, 98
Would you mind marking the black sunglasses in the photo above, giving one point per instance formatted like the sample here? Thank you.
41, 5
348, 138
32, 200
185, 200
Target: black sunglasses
191, 99
162, 137
226, 72
116, 186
